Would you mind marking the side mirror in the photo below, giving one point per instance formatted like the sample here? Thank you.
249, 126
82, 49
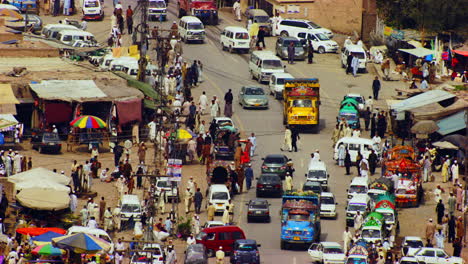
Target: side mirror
336, 203
256, 178
263, 158
328, 175
258, 245
289, 159
305, 175
284, 66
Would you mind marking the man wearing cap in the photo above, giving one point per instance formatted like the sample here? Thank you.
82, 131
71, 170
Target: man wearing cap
220, 256
248, 176
188, 200
451, 203
430, 231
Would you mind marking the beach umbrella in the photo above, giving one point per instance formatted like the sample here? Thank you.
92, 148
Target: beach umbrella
47, 250
81, 243
45, 238
36, 231
424, 127
88, 121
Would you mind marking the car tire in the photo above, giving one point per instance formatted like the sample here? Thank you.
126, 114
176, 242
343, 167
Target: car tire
248, 220
268, 220
321, 50
231, 50
257, 194
277, 96
40, 150
252, 76
210, 253
284, 33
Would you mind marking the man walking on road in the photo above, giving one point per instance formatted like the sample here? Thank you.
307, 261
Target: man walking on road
260, 37
220, 256
129, 17
291, 52
253, 140
228, 98
367, 118
440, 209
287, 143
376, 87
237, 10
430, 231
248, 176
198, 198
294, 138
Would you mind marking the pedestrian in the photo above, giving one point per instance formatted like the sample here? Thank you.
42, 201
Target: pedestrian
291, 52
459, 197
129, 17
381, 125
228, 98
130, 184
364, 167
210, 212
341, 155
73, 202
310, 52
220, 256
198, 199
440, 210
294, 138
162, 202
439, 238
92, 223
457, 247
451, 228
252, 140
261, 37
373, 159
107, 219
355, 65
214, 109
460, 228
287, 143
225, 218
376, 87
102, 208
240, 178
358, 220
367, 118
168, 225
66, 7
248, 176
358, 162
171, 257
120, 23
56, 9
430, 231
236, 7
188, 200
445, 170
347, 238
349, 59
84, 216
347, 162
373, 125
288, 182
454, 170
335, 135
203, 102
141, 152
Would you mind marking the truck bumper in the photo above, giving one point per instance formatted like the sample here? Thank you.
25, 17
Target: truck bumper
301, 240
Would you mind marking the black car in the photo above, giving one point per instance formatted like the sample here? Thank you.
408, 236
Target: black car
245, 251
258, 209
269, 184
46, 142
275, 164
314, 186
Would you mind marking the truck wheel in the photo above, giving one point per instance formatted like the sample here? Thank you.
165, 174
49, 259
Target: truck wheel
283, 245
231, 50
321, 50
284, 33
284, 120
180, 13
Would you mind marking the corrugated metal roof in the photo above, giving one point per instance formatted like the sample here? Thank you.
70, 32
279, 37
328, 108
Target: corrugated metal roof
452, 123
419, 100
68, 90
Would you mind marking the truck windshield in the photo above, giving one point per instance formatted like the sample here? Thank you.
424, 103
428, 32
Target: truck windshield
357, 189
366, 233
272, 64
92, 3
280, 81
242, 35
157, 4
327, 200
317, 174
356, 261
164, 184
388, 217
261, 19
195, 26
302, 103
298, 217
219, 196
356, 207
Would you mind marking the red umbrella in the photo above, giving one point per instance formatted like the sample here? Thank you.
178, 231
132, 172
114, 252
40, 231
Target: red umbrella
36, 231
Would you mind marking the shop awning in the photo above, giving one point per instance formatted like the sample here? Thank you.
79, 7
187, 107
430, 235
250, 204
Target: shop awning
69, 90
7, 121
7, 99
461, 52
419, 52
452, 123
419, 100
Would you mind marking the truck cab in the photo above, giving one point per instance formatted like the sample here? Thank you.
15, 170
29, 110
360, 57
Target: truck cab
361, 203
205, 10
301, 103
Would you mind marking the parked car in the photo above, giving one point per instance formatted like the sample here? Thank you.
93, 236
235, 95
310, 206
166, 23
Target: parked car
276, 84
258, 209
269, 184
328, 205
435, 256
326, 252
46, 142
196, 254
171, 192
314, 186
260, 17
356, 51
291, 27
253, 97
275, 164
245, 251
321, 42
282, 44
410, 245
221, 236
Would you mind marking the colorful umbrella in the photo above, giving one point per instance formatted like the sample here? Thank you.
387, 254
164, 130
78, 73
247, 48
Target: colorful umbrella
45, 238
183, 134
88, 121
81, 243
36, 231
47, 250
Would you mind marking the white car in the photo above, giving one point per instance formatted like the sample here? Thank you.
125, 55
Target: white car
291, 27
213, 224
435, 256
172, 192
327, 253
327, 205
151, 253
320, 41
410, 245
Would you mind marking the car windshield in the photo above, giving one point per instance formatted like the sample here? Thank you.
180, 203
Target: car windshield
388, 217
272, 64
302, 103
247, 247
332, 250
357, 189
164, 184
254, 91
327, 200
130, 208
279, 81
195, 26
261, 19
274, 160
51, 136
296, 43
317, 174
157, 4
242, 35
322, 36
414, 243
298, 217
359, 55
356, 207
220, 196
356, 261
312, 24
314, 188
91, 3
357, 98
370, 233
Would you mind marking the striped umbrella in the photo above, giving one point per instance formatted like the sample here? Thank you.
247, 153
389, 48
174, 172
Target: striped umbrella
81, 243
47, 250
88, 121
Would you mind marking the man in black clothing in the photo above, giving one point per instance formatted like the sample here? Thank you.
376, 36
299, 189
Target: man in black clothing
261, 37
347, 162
373, 126
367, 117
451, 229
440, 209
376, 87
310, 53
372, 162
349, 59
198, 198
294, 138
457, 246
228, 98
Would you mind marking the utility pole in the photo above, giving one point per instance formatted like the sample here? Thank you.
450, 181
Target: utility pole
142, 28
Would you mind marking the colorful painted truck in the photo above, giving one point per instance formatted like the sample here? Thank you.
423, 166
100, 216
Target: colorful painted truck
205, 10
301, 103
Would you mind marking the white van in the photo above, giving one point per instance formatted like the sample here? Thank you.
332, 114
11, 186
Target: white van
92, 231
354, 50
157, 10
359, 185
105, 62
92, 10
276, 84
132, 68
130, 206
50, 31
356, 144
118, 64
191, 29
321, 42
263, 64
361, 203
218, 195
69, 36
317, 171
235, 39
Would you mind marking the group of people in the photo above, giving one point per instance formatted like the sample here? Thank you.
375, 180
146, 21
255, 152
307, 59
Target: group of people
12, 162
118, 25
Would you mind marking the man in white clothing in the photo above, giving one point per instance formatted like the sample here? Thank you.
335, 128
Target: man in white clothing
203, 102
237, 10
152, 130
253, 140
92, 223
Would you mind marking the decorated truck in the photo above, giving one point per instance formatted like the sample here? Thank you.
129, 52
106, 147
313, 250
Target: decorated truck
349, 112
373, 230
301, 103
300, 218
408, 189
381, 186
205, 10
385, 205
358, 254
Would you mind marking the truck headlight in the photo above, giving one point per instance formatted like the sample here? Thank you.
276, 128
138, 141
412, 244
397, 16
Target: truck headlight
349, 214
307, 233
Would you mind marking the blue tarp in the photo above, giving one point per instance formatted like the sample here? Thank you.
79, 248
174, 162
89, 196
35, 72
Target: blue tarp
452, 123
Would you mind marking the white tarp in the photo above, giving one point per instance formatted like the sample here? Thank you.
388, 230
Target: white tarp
40, 174
28, 184
419, 100
68, 90
43, 199
419, 52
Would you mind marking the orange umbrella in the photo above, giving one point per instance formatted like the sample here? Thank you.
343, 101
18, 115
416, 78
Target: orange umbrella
36, 231
10, 13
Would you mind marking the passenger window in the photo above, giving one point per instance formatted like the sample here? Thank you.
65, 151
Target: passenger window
223, 33
301, 35
353, 147
210, 236
224, 236
237, 235
428, 253
441, 254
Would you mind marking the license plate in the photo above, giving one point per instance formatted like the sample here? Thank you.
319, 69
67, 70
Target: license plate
258, 212
51, 144
220, 204
296, 238
257, 104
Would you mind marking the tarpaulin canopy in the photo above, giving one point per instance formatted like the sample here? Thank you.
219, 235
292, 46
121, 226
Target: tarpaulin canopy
7, 99
69, 90
435, 111
129, 111
40, 174
43, 199
444, 145
43, 184
461, 52
81, 243
419, 100
37, 231
7, 121
452, 123
419, 52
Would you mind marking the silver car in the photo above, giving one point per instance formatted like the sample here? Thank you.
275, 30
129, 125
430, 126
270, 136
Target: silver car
253, 97
258, 209
282, 48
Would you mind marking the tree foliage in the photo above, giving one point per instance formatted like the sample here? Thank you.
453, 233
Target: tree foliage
427, 15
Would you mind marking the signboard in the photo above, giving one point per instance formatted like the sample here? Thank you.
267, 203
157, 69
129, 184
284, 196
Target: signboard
174, 169
293, 9
394, 33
